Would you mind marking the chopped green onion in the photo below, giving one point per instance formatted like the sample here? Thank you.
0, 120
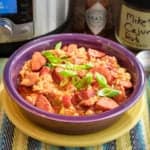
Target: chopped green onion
51, 57
67, 73
101, 80
108, 92
55, 61
69, 66
49, 65
83, 66
80, 84
77, 67
64, 57
75, 80
64, 82
88, 78
58, 45
58, 65
85, 81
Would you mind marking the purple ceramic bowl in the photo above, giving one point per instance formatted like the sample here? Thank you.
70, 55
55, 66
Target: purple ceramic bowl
73, 124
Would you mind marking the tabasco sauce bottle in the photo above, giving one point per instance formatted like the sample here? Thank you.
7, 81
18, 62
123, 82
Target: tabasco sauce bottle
97, 17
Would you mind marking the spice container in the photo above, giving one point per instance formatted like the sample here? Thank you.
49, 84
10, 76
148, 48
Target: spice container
133, 26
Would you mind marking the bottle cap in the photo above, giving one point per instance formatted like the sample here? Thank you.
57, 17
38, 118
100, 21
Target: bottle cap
143, 4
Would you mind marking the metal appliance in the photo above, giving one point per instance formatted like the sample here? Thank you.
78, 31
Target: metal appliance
22, 20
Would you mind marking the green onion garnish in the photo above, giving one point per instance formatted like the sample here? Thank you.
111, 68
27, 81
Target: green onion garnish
101, 80
88, 78
51, 57
58, 45
68, 73
84, 82
75, 67
83, 67
108, 92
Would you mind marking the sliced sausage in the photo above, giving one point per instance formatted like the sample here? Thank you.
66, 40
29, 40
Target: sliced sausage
104, 71
66, 101
37, 61
43, 103
126, 84
75, 99
105, 103
86, 94
44, 70
56, 76
95, 53
86, 103
122, 96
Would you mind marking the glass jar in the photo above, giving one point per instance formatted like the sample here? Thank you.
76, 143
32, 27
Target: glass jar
133, 26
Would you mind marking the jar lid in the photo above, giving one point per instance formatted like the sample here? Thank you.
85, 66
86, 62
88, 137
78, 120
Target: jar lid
144, 57
143, 4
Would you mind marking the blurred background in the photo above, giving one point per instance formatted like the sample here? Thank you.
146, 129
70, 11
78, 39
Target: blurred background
25, 20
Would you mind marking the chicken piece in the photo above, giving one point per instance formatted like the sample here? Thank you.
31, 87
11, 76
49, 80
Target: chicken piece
71, 111
32, 98
44, 84
89, 112
30, 79
72, 47
25, 69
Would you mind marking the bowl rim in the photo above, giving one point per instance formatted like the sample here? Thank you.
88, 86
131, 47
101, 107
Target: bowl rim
14, 94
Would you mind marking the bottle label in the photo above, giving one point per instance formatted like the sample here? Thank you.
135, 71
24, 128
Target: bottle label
96, 18
134, 29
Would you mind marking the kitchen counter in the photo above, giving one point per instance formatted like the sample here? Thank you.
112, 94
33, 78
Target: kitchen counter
138, 138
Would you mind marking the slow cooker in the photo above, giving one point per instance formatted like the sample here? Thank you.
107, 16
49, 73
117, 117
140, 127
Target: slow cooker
23, 20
